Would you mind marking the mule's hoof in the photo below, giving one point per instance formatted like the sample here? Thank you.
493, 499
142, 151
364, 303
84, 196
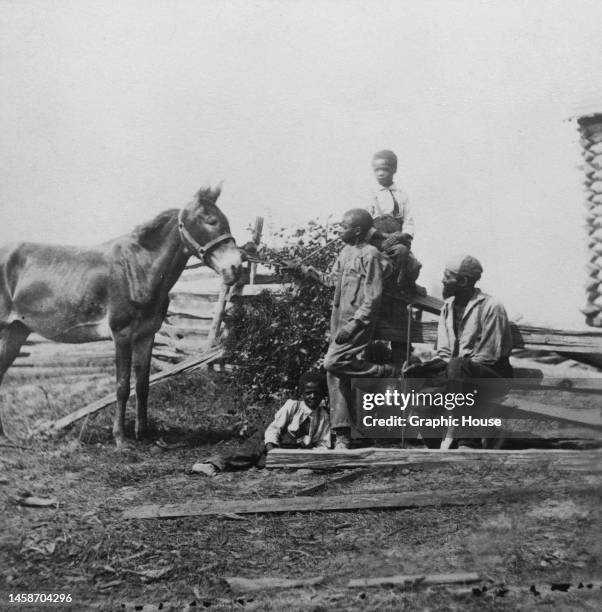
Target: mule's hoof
141, 434
123, 446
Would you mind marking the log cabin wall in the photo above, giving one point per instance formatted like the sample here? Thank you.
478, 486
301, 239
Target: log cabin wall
590, 127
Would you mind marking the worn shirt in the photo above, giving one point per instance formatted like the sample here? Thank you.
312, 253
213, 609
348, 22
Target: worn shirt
483, 331
357, 276
310, 427
383, 203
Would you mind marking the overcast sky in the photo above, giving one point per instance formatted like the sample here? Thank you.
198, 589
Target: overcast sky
113, 111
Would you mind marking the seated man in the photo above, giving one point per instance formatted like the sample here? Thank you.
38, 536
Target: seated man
302, 423
473, 336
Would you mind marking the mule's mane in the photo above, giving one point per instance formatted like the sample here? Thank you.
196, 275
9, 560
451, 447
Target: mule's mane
148, 233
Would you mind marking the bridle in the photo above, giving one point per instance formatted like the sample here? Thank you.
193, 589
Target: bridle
202, 251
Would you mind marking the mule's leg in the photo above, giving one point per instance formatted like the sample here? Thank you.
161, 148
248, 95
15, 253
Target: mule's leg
12, 337
142, 359
123, 366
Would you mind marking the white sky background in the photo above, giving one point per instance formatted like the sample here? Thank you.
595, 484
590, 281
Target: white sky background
113, 111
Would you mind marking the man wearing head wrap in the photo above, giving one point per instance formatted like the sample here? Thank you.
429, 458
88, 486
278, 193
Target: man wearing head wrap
473, 336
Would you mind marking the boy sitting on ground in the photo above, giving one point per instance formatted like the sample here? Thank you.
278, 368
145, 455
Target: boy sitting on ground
302, 423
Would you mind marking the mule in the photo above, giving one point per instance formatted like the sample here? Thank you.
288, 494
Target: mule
119, 290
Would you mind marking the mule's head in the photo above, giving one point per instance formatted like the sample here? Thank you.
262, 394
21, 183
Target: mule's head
205, 233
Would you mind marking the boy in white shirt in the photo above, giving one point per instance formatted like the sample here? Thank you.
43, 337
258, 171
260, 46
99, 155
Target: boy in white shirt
393, 234
302, 423
390, 206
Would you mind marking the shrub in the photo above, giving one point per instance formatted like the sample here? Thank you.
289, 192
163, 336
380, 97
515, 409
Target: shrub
274, 338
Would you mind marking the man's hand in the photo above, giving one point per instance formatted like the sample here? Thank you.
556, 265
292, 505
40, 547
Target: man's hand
425, 369
291, 266
299, 270
347, 331
311, 272
415, 370
270, 447
396, 238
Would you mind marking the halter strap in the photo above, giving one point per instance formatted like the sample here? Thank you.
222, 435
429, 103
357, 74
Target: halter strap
200, 250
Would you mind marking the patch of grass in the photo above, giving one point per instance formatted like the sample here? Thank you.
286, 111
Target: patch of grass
85, 547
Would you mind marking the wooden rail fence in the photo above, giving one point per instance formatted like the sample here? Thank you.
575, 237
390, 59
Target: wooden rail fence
195, 296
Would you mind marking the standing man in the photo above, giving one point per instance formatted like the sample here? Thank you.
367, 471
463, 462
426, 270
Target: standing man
357, 276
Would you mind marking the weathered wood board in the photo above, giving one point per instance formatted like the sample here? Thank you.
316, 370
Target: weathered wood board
415, 580
343, 502
362, 457
185, 366
524, 336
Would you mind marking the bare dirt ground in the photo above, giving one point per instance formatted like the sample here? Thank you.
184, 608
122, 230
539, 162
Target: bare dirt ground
82, 545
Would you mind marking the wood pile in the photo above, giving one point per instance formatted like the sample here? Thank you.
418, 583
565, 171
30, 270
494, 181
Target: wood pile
590, 127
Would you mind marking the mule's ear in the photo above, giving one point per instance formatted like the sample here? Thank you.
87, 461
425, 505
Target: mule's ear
216, 191
207, 192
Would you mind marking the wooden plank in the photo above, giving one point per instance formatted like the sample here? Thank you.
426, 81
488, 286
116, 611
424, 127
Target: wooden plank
189, 345
186, 298
562, 385
528, 408
212, 295
252, 585
191, 309
528, 336
429, 303
322, 486
589, 359
188, 365
343, 502
256, 237
411, 581
179, 331
361, 457
249, 291
524, 336
174, 317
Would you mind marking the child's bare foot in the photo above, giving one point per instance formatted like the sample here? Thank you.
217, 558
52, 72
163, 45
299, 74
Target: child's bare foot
207, 469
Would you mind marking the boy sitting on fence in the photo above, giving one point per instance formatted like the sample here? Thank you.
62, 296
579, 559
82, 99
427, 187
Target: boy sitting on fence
393, 221
302, 423
392, 234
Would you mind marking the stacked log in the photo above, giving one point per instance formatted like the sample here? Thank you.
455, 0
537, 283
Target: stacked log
590, 126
